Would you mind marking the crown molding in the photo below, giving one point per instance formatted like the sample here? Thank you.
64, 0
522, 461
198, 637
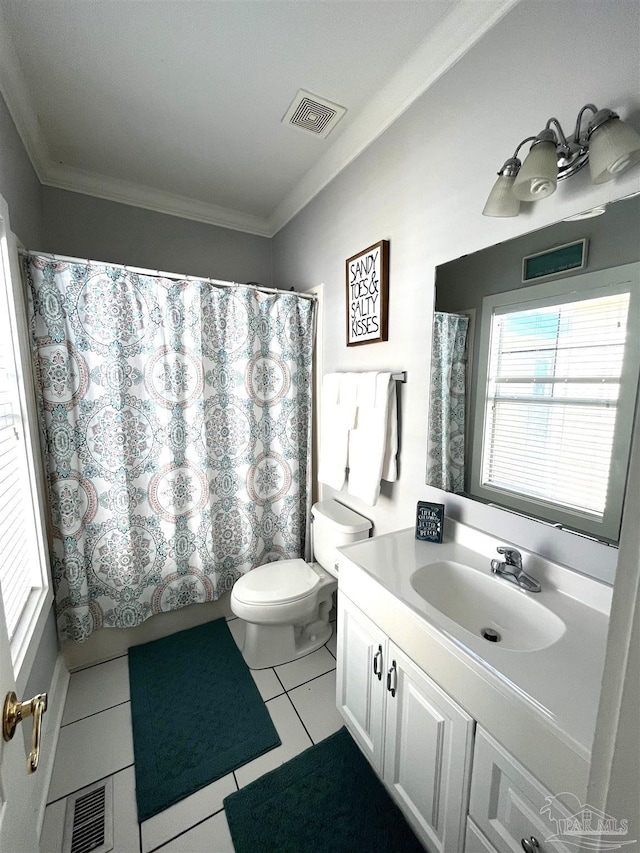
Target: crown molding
456, 33
137, 195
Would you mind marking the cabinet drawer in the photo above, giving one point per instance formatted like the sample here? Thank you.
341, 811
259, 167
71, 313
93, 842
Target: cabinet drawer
509, 805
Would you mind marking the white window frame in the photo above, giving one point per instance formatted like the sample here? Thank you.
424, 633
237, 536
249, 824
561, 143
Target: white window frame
27, 636
625, 278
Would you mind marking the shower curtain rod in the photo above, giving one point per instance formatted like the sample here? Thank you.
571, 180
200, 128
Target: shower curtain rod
161, 274
450, 314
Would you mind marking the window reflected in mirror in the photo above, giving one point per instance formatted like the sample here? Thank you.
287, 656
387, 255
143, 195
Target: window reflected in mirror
538, 414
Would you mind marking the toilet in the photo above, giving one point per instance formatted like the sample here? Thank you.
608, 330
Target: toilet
285, 605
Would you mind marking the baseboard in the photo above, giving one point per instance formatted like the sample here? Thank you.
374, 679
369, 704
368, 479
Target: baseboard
52, 720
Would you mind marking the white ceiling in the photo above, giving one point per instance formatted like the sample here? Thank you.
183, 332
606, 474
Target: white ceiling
176, 105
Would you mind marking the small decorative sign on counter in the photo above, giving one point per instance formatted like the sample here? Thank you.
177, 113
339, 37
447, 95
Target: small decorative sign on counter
429, 522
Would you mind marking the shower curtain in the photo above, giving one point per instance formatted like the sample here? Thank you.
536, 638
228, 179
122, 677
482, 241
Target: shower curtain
176, 431
445, 438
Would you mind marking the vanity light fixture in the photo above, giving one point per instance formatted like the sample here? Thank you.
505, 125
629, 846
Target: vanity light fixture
608, 144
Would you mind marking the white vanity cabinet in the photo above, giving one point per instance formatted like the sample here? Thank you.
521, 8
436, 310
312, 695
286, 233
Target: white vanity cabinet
418, 739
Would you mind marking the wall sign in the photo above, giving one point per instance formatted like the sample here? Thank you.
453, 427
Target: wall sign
571, 256
368, 295
429, 522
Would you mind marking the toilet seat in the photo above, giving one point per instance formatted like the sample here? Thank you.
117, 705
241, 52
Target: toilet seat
280, 582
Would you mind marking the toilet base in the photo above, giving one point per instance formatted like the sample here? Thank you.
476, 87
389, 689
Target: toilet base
271, 645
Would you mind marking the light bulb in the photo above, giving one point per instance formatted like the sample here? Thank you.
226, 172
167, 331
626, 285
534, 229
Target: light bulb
613, 147
538, 176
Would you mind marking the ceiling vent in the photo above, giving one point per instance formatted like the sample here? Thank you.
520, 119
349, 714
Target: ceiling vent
313, 114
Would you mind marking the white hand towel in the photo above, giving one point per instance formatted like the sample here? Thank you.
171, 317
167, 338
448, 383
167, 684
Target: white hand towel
334, 432
373, 442
366, 391
348, 398
390, 463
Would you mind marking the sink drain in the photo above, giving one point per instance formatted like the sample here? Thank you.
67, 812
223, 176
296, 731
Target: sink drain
490, 634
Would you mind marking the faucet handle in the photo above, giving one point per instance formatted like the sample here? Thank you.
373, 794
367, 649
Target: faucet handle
512, 556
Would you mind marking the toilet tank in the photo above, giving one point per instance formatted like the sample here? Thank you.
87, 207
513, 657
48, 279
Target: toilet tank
335, 525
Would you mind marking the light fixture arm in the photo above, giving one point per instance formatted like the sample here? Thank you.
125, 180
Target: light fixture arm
577, 133
559, 134
524, 142
512, 166
573, 153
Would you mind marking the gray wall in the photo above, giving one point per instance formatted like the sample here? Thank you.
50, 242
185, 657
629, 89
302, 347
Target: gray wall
19, 184
87, 227
422, 185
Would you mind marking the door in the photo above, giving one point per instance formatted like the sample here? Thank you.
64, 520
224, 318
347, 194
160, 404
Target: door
428, 747
360, 678
18, 830
23, 551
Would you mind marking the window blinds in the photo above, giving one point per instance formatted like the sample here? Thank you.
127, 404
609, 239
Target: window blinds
553, 390
16, 527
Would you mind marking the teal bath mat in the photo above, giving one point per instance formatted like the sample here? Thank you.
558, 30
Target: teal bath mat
325, 800
196, 713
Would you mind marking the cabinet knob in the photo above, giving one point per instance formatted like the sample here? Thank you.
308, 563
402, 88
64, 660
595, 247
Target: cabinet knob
530, 845
377, 658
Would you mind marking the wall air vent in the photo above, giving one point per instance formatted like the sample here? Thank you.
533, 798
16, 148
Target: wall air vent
313, 114
88, 826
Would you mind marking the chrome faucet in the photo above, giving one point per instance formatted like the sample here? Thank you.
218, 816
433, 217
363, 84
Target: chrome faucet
512, 570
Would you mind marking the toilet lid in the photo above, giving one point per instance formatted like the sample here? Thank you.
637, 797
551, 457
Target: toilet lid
276, 583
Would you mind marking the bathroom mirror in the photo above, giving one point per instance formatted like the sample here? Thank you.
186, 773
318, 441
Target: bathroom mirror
487, 287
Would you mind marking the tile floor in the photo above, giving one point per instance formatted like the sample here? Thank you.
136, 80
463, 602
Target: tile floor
95, 742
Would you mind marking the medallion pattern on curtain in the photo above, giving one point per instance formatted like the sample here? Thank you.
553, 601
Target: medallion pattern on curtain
445, 438
176, 431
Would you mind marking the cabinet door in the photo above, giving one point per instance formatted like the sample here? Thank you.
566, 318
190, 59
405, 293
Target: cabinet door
359, 678
428, 746
510, 805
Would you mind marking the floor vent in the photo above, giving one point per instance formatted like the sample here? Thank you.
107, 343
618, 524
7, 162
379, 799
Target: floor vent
313, 114
88, 825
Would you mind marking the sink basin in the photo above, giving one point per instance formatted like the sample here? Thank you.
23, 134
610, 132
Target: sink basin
478, 601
